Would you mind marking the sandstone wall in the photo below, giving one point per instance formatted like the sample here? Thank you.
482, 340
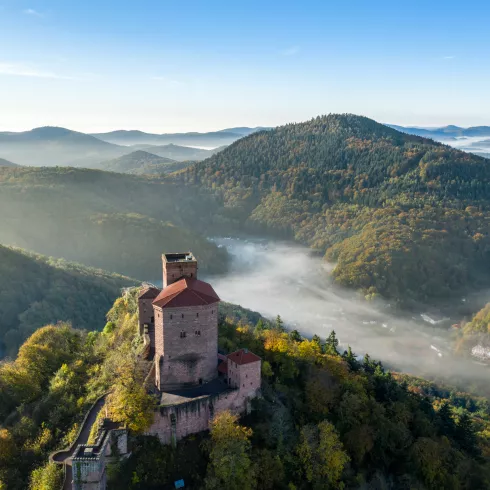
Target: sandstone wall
187, 338
173, 423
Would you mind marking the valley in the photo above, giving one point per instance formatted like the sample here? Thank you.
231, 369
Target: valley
277, 277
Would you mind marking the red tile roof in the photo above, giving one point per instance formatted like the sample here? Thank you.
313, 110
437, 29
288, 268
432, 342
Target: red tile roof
243, 356
149, 293
186, 292
223, 367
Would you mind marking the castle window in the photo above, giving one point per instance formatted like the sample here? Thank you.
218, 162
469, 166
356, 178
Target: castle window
182, 315
244, 385
246, 375
197, 315
152, 319
198, 332
171, 316
182, 335
212, 311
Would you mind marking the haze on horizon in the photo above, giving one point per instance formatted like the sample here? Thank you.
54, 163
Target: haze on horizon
198, 66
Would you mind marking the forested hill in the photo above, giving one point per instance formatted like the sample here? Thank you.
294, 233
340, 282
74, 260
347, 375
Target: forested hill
404, 216
36, 290
346, 158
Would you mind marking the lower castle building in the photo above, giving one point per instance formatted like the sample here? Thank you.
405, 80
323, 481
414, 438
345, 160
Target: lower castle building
192, 381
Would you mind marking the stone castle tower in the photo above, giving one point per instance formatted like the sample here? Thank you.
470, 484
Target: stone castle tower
182, 323
192, 380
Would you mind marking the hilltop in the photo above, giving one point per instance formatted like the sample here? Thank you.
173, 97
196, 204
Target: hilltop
36, 290
56, 146
179, 153
141, 162
117, 222
402, 216
6, 163
325, 419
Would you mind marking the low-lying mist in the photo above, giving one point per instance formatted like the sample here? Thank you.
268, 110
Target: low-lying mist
281, 278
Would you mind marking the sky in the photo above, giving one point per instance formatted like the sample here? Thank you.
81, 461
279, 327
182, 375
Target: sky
201, 65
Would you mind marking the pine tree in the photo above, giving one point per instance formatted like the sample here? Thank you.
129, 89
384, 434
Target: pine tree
295, 336
279, 325
331, 344
260, 326
350, 357
465, 435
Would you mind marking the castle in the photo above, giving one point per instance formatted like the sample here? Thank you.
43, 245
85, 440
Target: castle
192, 380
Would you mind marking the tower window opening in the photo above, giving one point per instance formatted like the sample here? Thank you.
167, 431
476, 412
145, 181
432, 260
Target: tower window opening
182, 315
152, 319
182, 335
171, 316
197, 315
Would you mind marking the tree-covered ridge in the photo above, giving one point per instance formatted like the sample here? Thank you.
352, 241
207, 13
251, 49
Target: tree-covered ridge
117, 222
347, 158
36, 290
382, 203
325, 421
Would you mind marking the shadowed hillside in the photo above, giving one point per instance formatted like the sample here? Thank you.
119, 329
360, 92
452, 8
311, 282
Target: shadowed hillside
36, 290
117, 222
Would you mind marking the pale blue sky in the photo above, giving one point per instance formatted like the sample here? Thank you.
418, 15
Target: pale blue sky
173, 65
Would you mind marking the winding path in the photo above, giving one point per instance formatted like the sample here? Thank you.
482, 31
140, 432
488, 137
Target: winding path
64, 456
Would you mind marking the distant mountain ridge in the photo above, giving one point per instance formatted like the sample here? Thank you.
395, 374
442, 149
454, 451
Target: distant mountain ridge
51, 146
445, 132
210, 139
55, 146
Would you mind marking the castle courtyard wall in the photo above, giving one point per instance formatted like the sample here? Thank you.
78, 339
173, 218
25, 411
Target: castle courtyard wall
196, 415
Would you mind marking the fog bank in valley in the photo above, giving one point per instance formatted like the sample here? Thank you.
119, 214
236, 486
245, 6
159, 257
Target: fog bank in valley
279, 278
